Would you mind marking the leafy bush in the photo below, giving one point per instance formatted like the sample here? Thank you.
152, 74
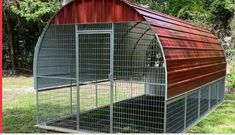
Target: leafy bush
230, 80
24, 22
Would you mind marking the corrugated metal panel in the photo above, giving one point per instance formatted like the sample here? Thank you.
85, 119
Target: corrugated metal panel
193, 54
96, 11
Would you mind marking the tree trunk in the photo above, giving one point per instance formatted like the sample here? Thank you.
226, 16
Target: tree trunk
10, 34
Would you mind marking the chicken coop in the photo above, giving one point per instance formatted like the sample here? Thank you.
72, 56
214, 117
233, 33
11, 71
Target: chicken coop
115, 67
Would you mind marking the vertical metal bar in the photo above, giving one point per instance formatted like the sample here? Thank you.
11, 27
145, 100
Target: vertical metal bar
145, 91
37, 110
166, 83
71, 88
217, 91
115, 90
71, 98
111, 76
35, 73
199, 102
96, 94
77, 76
131, 86
185, 111
209, 105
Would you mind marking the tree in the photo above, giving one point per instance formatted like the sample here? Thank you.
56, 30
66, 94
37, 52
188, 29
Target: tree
158, 5
10, 33
25, 19
23, 23
222, 14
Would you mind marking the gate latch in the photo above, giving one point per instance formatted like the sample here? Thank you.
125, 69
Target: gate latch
110, 76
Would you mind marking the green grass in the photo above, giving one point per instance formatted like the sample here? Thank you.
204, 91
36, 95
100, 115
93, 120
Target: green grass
222, 120
230, 96
19, 116
19, 105
19, 109
19, 112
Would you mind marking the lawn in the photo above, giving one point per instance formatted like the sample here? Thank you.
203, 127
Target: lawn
222, 120
19, 112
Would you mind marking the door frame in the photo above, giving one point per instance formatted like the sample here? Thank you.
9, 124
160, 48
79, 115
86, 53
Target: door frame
110, 75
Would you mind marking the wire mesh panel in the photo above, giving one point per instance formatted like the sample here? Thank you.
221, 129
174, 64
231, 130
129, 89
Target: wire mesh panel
204, 100
189, 108
221, 90
56, 94
192, 108
56, 59
139, 114
175, 116
57, 107
94, 57
94, 27
94, 68
213, 94
139, 80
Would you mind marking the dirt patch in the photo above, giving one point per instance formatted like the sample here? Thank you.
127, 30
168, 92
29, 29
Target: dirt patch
11, 94
14, 86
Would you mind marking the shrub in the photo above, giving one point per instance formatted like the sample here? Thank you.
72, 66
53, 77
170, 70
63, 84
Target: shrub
230, 80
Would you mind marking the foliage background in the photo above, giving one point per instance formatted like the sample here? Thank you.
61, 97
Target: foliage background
23, 23
25, 19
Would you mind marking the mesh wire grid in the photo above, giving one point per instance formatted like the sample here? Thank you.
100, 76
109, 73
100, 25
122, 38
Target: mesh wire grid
204, 101
186, 110
138, 78
138, 82
192, 108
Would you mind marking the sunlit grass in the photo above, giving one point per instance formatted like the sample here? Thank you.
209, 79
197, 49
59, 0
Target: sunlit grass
19, 116
17, 82
222, 120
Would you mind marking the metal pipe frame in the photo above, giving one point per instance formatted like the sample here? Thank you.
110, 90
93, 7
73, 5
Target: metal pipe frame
166, 82
137, 42
77, 76
111, 76
35, 65
53, 77
111, 79
209, 104
71, 98
185, 111
88, 32
199, 103
63, 130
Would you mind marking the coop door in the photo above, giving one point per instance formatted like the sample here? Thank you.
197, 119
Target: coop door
94, 58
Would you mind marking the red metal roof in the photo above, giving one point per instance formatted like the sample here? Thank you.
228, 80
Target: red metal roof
96, 11
193, 54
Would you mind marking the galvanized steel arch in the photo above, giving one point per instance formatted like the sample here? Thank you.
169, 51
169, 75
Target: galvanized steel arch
135, 18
